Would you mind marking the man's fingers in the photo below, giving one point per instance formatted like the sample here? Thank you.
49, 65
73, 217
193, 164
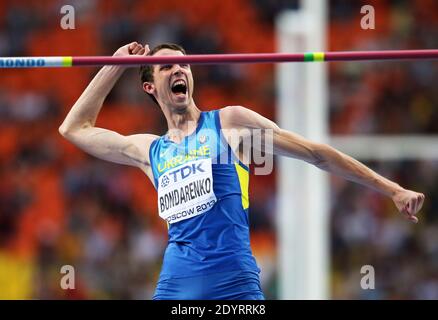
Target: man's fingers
133, 48
416, 203
412, 206
132, 45
420, 201
137, 49
411, 217
409, 204
405, 212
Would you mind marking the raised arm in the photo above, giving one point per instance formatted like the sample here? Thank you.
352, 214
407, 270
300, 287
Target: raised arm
323, 156
79, 125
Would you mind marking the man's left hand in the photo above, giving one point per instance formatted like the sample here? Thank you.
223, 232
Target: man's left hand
408, 203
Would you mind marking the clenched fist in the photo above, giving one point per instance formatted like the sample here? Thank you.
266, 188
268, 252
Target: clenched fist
408, 203
133, 48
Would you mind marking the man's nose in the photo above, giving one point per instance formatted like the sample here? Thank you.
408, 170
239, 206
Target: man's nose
177, 69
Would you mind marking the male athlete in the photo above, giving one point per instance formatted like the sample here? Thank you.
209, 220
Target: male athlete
201, 180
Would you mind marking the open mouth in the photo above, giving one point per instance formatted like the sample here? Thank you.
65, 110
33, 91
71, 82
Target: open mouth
179, 87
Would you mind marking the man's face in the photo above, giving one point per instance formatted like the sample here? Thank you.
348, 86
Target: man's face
173, 84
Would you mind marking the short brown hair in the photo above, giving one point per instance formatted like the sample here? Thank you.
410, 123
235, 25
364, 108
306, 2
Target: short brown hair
147, 71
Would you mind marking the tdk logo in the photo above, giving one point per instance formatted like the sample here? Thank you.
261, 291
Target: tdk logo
165, 182
186, 171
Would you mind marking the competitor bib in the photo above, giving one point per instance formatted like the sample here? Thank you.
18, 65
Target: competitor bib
186, 191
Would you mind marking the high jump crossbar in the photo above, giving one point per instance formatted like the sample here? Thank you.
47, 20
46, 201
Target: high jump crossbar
70, 61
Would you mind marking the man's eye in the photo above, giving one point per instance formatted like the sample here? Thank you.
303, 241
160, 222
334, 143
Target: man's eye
166, 67
184, 65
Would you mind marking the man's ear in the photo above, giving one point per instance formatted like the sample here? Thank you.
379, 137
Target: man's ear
149, 87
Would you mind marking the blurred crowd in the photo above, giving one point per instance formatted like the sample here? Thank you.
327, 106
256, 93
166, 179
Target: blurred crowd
59, 206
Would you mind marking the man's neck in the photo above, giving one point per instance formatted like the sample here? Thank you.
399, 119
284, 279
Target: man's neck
183, 123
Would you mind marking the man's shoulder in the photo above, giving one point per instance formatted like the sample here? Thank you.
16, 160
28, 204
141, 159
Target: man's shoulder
231, 115
231, 108
234, 110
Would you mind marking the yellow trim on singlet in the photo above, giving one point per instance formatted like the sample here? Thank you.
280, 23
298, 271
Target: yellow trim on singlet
243, 176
